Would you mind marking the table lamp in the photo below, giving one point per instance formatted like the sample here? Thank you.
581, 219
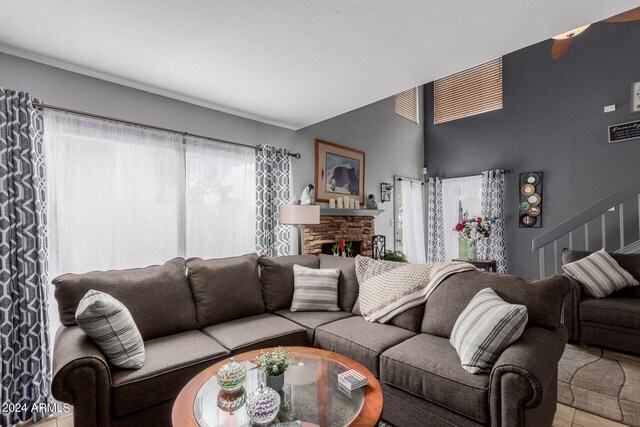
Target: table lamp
299, 215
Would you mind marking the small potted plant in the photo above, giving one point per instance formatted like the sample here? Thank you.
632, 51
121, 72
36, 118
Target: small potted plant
273, 364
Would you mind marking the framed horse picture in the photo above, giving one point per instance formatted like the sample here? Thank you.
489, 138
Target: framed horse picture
339, 172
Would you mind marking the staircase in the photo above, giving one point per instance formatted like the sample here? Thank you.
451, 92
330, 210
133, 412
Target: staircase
593, 229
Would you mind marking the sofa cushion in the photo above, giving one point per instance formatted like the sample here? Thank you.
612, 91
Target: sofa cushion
360, 340
347, 283
485, 328
312, 319
261, 331
110, 325
410, 319
225, 289
611, 311
428, 366
276, 277
158, 297
630, 262
543, 298
172, 361
599, 274
315, 289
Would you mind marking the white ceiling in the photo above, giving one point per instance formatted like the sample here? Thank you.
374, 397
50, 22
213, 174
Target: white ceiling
286, 62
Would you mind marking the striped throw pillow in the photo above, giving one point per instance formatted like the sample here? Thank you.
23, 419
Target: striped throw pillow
485, 328
315, 289
599, 274
110, 325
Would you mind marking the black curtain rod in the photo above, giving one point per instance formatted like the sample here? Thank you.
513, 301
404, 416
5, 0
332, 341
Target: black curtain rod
409, 179
506, 171
132, 123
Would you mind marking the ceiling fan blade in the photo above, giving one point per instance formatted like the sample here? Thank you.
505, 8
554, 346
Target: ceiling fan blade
628, 16
560, 47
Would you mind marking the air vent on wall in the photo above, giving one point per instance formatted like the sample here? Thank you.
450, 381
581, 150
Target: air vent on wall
469, 92
407, 105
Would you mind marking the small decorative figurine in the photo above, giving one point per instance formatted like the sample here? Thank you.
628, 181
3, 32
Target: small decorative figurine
371, 202
306, 198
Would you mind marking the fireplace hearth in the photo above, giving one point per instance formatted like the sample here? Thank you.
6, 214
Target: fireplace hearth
320, 238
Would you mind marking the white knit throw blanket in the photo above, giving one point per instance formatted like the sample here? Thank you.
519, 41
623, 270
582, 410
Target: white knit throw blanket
388, 288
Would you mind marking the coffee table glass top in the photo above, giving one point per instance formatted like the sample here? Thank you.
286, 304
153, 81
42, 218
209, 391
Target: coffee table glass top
310, 395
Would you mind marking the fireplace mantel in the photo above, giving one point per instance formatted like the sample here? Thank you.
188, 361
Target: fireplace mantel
349, 212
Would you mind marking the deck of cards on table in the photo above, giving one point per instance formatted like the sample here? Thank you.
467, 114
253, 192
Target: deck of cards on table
352, 380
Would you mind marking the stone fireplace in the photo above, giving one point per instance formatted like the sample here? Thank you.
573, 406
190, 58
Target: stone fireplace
333, 228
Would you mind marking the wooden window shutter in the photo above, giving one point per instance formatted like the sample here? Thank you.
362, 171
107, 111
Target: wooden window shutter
469, 92
407, 105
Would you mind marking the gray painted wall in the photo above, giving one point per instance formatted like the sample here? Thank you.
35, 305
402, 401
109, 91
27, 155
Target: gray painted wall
552, 121
393, 146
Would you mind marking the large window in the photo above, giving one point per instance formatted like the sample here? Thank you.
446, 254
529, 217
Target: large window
122, 196
459, 195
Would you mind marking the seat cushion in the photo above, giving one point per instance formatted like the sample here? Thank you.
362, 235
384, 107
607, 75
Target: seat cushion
276, 278
264, 330
360, 340
428, 366
172, 361
348, 287
312, 319
158, 297
225, 289
617, 311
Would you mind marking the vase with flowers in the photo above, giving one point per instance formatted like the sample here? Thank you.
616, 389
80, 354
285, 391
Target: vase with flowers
273, 364
474, 229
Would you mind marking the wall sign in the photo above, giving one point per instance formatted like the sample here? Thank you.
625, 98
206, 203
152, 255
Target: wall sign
624, 131
635, 97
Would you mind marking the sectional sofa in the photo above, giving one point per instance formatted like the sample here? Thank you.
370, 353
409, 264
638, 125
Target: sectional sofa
194, 313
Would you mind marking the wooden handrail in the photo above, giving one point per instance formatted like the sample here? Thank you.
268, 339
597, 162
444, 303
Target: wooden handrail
625, 193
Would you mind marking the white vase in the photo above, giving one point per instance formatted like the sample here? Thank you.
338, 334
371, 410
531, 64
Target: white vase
472, 246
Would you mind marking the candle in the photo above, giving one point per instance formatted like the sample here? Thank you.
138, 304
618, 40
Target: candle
357, 204
346, 202
352, 204
340, 203
332, 203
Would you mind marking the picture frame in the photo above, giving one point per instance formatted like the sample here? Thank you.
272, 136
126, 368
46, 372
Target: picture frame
385, 192
635, 97
339, 172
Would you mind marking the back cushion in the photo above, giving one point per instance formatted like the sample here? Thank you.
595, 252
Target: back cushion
543, 298
630, 262
276, 276
158, 297
225, 289
348, 287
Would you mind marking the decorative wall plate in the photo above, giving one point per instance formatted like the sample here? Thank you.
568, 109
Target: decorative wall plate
527, 221
524, 206
534, 199
532, 178
528, 189
534, 211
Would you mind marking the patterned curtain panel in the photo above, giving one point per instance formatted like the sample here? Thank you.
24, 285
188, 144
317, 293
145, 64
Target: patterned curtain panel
272, 190
435, 222
493, 205
25, 369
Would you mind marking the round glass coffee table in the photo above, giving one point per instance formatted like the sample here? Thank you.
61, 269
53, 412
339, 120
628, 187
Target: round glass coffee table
310, 395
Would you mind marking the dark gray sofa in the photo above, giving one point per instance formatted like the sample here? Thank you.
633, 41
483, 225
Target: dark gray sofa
195, 313
613, 321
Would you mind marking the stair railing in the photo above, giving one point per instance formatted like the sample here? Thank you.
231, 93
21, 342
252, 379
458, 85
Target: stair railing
581, 221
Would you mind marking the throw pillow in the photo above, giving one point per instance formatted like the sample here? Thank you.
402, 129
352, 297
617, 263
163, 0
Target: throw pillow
599, 274
485, 328
110, 325
315, 289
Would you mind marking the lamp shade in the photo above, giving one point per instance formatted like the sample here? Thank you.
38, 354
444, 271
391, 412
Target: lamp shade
299, 214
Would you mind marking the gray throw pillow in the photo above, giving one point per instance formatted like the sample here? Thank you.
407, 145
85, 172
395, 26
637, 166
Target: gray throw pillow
599, 274
485, 328
315, 289
110, 325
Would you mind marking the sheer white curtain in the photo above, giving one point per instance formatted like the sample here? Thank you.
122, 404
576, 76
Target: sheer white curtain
221, 199
412, 201
459, 195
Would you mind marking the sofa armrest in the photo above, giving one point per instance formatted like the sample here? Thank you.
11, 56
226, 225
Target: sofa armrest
522, 375
571, 310
81, 377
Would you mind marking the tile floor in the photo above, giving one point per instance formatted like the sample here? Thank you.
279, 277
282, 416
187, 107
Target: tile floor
565, 417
